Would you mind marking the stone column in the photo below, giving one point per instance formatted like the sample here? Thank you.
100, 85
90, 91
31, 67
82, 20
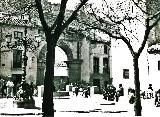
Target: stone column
74, 70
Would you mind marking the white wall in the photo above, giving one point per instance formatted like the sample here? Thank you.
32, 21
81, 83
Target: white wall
154, 73
122, 59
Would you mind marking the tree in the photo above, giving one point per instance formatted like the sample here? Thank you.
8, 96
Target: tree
52, 34
120, 22
54, 22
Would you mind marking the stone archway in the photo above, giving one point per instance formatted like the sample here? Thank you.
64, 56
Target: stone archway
74, 65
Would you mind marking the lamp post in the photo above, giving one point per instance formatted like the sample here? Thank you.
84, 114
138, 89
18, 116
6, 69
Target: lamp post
25, 58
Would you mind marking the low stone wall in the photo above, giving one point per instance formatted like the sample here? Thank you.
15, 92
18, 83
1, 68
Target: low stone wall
30, 104
55, 94
93, 90
60, 93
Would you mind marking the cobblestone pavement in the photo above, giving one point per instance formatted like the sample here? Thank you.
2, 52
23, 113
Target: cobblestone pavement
73, 106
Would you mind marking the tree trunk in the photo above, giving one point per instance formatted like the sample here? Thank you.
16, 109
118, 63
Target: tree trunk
137, 104
48, 104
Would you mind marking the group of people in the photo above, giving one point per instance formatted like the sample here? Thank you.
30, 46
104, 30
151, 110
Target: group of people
6, 88
110, 93
147, 94
22, 90
25, 91
85, 91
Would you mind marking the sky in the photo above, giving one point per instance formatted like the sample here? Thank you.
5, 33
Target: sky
70, 5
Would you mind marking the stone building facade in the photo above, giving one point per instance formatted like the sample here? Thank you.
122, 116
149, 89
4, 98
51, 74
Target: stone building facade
87, 57
88, 60
11, 64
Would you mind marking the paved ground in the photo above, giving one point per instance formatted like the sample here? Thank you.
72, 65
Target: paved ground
82, 107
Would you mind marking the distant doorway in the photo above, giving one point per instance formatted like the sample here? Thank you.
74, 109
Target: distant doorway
96, 82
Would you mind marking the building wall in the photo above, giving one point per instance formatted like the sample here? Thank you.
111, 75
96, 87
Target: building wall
153, 6
97, 50
6, 58
154, 73
7, 54
122, 59
87, 52
85, 56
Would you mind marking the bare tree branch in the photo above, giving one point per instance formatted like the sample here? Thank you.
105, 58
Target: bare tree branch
154, 16
147, 31
119, 22
54, 24
41, 15
113, 36
130, 31
137, 5
74, 14
155, 23
60, 18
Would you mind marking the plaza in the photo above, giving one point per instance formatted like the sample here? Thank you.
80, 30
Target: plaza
72, 106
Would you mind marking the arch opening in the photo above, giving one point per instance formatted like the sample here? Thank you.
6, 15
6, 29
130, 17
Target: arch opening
60, 67
62, 53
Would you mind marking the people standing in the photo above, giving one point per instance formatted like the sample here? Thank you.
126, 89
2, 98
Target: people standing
76, 91
3, 89
120, 90
31, 91
157, 98
88, 90
32, 88
26, 89
1, 84
10, 86
150, 91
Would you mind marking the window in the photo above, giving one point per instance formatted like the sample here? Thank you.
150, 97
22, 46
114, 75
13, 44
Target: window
18, 34
105, 49
96, 65
22, 16
39, 31
105, 65
17, 58
158, 65
126, 73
